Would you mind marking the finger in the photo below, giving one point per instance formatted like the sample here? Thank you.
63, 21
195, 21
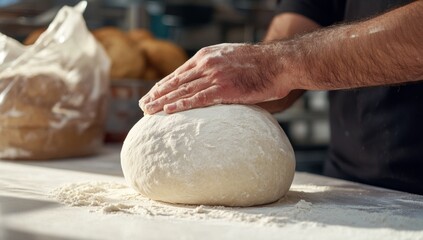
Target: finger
184, 91
188, 65
170, 85
183, 68
204, 98
146, 95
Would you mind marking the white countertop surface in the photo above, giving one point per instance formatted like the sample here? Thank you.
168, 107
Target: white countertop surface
325, 208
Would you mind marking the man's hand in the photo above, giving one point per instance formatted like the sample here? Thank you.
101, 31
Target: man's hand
239, 71
381, 51
225, 73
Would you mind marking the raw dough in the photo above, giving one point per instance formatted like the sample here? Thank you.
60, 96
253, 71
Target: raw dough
231, 155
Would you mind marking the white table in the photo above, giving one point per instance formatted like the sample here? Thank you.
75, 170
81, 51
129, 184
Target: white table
28, 212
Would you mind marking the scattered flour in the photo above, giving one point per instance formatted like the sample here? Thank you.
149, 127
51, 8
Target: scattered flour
306, 205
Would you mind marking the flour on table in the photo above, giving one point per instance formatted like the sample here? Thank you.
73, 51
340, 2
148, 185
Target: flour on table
304, 205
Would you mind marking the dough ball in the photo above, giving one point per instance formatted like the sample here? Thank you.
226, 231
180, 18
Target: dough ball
165, 56
126, 63
230, 155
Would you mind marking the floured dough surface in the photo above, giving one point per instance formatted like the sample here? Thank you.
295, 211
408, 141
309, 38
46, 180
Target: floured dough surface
231, 155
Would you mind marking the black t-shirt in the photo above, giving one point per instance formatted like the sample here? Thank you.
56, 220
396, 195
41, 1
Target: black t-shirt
376, 132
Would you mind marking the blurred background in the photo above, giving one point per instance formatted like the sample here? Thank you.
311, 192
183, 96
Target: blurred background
191, 25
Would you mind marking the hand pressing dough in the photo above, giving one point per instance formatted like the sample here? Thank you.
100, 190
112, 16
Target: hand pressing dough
230, 155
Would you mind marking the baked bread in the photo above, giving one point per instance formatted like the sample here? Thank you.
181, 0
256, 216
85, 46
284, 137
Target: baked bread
151, 74
22, 143
126, 63
43, 118
164, 55
138, 35
153, 60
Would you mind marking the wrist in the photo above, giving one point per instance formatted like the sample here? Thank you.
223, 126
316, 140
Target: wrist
288, 63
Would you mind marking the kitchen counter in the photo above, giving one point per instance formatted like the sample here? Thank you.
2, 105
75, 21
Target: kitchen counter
315, 208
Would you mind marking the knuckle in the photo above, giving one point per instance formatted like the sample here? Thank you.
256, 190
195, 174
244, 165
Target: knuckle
157, 84
204, 50
201, 52
174, 82
219, 88
208, 62
183, 104
164, 99
155, 94
201, 97
216, 75
219, 81
185, 91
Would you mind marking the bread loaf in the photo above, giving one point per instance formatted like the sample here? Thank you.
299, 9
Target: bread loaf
138, 35
40, 118
164, 55
135, 54
126, 63
53, 93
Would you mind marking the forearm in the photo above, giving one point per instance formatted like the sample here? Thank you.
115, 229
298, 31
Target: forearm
288, 25
285, 26
384, 50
